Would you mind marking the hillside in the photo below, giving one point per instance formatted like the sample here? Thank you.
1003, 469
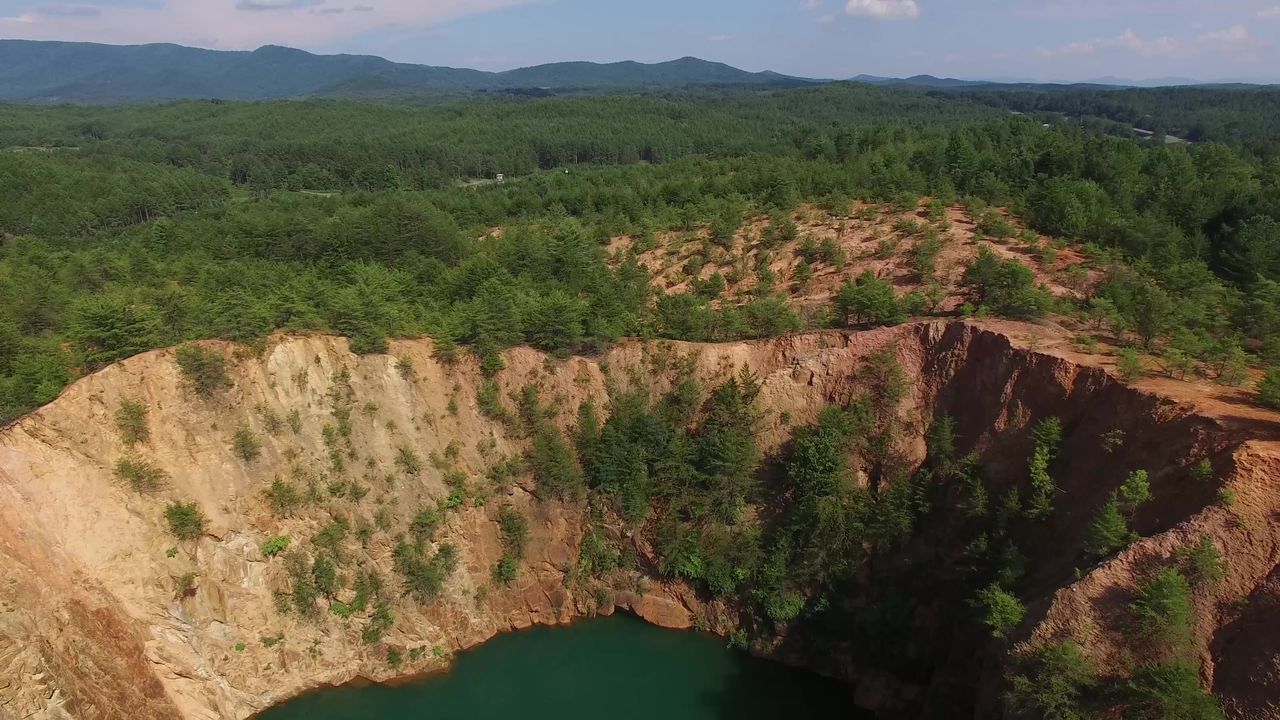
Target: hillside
92, 73
101, 609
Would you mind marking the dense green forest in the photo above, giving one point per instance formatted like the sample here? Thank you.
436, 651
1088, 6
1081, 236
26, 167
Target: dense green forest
1245, 116
129, 228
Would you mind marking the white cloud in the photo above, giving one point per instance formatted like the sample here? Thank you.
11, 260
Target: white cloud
884, 9
1127, 40
1234, 35
1271, 13
227, 25
277, 4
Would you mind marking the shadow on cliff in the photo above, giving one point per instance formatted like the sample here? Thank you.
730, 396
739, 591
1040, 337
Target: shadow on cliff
747, 694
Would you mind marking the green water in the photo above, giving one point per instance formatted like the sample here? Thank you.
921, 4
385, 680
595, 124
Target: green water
616, 668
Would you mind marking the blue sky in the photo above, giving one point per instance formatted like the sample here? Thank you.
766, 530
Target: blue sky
1041, 39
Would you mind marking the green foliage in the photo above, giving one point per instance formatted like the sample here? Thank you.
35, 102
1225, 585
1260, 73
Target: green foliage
1202, 561
424, 524
379, 625
489, 401
1269, 389
135, 241
1052, 682
1202, 471
1043, 487
204, 369
1170, 691
283, 496
1130, 365
275, 545
131, 422
324, 575
1005, 287
408, 462
1109, 532
515, 530
245, 444
1163, 612
140, 474
1001, 610
553, 464
424, 577
869, 300
186, 522
1134, 492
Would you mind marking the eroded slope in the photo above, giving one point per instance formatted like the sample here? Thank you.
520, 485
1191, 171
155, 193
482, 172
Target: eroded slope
100, 617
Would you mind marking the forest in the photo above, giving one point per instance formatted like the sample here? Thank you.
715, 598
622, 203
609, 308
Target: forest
130, 228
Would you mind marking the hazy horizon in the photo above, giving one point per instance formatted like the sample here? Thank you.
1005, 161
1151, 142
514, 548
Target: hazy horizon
1044, 40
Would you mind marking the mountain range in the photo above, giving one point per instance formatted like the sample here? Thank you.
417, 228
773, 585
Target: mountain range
75, 72
32, 71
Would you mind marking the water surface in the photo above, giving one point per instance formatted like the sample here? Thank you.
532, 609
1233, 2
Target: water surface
615, 668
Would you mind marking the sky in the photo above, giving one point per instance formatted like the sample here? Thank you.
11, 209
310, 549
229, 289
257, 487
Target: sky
1048, 40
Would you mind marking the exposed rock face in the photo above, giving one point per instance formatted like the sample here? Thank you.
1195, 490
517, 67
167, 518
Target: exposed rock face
92, 623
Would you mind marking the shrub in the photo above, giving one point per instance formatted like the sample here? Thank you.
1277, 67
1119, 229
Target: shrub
869, 300
1169, 691
404, 366
553, 464
506, 571
1002, 611
1202, 471
1202, 561
186, 522
379, 623
140, 475
1134, 492
515, 530
1109, 532
1005, 287
1130, 366
424, 524
924, 255
205, 370
276, 545
245, 444
1043, 487
324, 574
1163, 611
186, 585
408, 461
489, 402
423, 578
283, 496
1269, 389
515, 535
271, 422
1052, 682
131, 422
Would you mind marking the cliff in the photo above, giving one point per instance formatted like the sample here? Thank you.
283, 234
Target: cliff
103, 614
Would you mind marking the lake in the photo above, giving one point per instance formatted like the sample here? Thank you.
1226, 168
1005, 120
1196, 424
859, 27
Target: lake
617, 668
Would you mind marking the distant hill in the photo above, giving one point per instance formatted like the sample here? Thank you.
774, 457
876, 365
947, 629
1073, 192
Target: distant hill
51, 72
92, 73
